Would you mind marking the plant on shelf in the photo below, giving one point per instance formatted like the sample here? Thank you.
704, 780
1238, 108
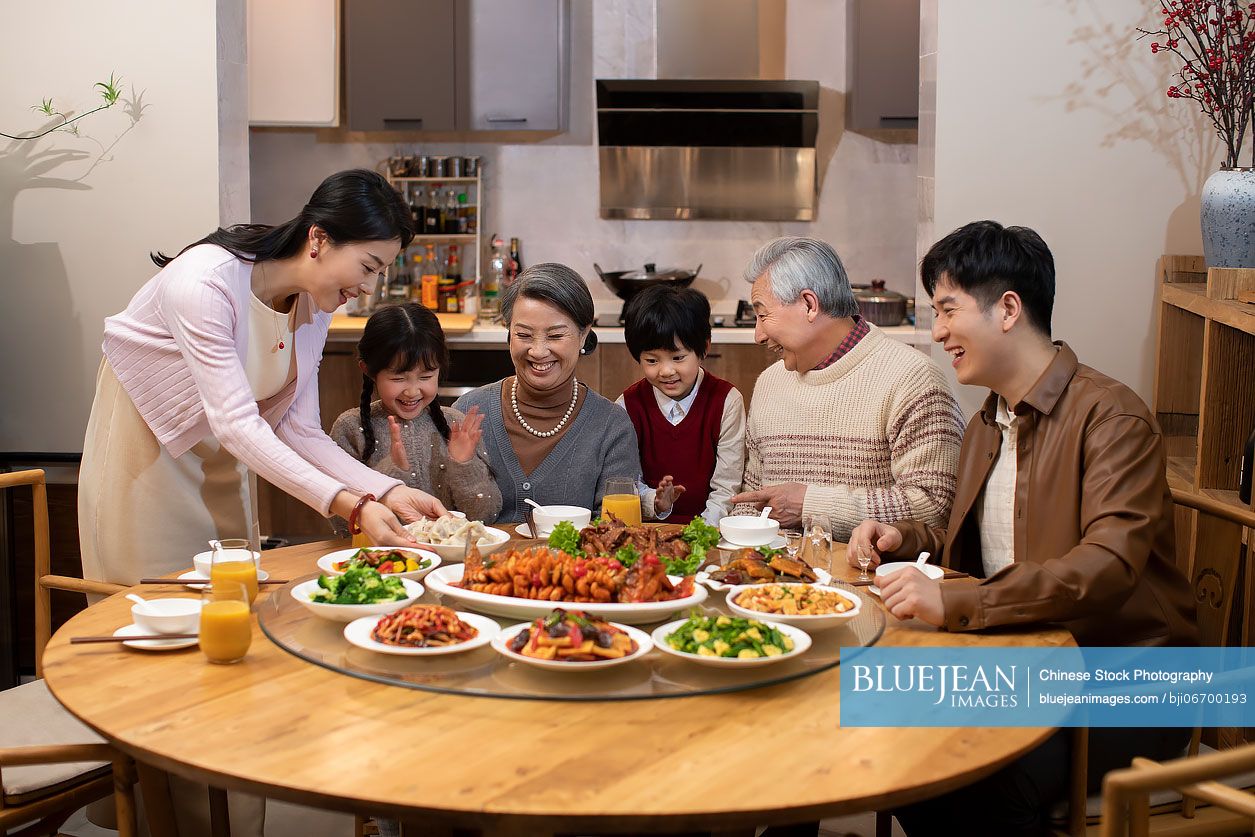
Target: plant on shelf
109, 90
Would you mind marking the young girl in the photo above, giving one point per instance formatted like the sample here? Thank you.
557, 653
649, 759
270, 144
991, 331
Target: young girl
405, 434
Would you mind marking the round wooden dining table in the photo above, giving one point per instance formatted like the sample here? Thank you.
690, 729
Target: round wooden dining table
278, 726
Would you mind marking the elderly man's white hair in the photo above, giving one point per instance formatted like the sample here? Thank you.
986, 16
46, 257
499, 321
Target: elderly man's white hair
794, 264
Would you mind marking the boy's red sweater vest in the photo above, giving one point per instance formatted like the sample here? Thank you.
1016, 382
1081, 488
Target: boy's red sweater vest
686, 450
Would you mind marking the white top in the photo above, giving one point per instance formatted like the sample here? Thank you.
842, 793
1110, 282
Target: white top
996, 510
725, 480
268, 367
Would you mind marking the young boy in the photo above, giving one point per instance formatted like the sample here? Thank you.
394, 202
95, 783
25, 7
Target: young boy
690, 424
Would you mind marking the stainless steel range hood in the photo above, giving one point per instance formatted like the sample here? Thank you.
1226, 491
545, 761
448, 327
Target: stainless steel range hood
707, 149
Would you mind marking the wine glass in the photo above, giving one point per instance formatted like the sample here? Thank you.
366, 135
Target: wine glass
863, 555
225, 628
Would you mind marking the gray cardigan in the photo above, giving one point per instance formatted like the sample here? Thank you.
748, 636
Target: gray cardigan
600, 444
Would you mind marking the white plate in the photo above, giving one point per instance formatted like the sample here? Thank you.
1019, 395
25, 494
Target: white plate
777, 542
874, 590
502, 644
151, 644
801, 642
822, 576
358, 632
812, 623
193, 575
347, 613
328, 561
522, 531
638, 613
452, 553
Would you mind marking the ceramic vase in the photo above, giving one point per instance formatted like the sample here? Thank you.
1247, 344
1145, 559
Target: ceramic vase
1228, 218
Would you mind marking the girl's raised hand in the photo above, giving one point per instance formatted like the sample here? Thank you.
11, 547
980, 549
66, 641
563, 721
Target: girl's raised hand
464, 435
399, 457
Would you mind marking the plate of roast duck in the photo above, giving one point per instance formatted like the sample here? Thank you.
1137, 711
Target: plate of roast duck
749, 566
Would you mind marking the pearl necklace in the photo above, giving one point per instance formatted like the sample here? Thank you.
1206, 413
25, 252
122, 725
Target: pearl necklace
545, 434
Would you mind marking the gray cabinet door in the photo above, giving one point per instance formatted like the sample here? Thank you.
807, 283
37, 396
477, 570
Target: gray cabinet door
514, 65
399, 65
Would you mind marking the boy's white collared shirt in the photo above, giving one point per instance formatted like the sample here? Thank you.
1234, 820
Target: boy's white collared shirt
673, 410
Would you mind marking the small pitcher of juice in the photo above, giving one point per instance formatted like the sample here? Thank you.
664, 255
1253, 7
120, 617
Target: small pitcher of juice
225, 628
621, 500
233, 560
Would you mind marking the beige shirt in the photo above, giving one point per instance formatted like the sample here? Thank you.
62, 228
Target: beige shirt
996, 509
267, 367
725, 480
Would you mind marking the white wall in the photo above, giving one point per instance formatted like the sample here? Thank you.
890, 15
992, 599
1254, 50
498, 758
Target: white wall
78, 216
1049, 114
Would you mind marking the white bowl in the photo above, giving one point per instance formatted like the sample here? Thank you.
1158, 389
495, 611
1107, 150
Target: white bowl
749, 530
453, 552
885, 570
358, 632
327, 562
547, 517
202, 561
347, 613
816, 622
502, 645
801, 642
634, 613
168, 616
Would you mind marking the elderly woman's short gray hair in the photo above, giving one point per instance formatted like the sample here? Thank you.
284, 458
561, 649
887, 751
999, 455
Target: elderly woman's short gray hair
558, 285
795, 264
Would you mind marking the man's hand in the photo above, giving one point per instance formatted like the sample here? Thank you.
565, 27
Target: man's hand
785, 500
464, 436
666, 494
871, 537
410, 504
909, 593
399, 456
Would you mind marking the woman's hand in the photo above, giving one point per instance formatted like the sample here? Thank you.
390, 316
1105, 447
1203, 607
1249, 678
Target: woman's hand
666, 494
399, 457
464, 436
382, 527
410, 504
871, 537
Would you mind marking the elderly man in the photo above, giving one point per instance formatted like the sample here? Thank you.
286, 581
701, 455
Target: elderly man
850, 424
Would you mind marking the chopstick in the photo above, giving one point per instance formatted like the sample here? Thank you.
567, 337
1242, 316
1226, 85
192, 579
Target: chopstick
83, 640
197, 582
950, 574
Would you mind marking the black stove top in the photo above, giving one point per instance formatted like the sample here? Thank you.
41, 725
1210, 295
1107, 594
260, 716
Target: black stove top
743, 319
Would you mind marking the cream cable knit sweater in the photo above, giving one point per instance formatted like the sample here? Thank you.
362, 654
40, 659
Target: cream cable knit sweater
875, 435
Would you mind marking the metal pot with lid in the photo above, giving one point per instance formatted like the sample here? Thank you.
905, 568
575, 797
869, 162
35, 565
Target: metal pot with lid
880, 306
626, 283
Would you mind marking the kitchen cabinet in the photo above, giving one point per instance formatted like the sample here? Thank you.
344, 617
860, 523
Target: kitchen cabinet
885, 79
443, 65
294, 62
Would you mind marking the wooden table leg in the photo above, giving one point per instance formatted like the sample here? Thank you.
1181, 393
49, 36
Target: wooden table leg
158, 804
219, 813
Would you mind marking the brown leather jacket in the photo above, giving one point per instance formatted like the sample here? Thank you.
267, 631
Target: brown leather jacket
1094, 540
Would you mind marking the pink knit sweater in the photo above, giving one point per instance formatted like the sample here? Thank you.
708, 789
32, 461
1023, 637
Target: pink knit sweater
178, 350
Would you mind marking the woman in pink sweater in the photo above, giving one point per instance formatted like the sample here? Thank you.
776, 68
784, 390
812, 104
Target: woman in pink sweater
210, 377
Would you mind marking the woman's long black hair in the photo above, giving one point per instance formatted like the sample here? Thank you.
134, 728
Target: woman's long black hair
400, 337
350, 206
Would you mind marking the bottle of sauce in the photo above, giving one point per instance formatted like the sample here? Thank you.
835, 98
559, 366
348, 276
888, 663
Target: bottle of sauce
417, 209
470, 224
433, 218
494, 281
452, 217
450, 282
398, 282
516, 259
430, 279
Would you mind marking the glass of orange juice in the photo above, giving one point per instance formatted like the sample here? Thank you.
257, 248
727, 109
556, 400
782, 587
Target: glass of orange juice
225, 628
234, 560
361, 541
621, 500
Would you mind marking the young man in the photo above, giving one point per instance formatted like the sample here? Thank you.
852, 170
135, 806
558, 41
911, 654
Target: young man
1062, 509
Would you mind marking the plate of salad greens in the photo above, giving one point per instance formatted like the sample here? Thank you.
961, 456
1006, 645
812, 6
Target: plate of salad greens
359, 591
730, 641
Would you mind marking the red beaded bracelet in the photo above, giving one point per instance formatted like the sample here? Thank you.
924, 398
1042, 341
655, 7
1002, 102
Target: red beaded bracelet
355, 528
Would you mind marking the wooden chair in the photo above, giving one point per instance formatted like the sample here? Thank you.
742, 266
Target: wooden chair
1126, 793
1213, 571
51, 764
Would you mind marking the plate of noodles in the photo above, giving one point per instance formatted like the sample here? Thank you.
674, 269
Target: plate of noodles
447, 535
422, 630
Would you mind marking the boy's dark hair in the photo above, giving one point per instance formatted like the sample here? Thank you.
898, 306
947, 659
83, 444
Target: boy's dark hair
986, 260
400, 337
661, 316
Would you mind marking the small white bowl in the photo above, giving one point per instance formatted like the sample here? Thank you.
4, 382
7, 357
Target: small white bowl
168, 616
327, 562
885, 570
547, 517
347, 613
814, 622
453, 552
749, 530
203, 561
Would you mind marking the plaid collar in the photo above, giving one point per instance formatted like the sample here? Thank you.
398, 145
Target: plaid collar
860, 330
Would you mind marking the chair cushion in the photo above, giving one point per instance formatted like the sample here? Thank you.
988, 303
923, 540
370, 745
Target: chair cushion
30, 715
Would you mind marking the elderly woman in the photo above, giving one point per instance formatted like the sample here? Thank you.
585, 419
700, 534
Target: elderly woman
549, 437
